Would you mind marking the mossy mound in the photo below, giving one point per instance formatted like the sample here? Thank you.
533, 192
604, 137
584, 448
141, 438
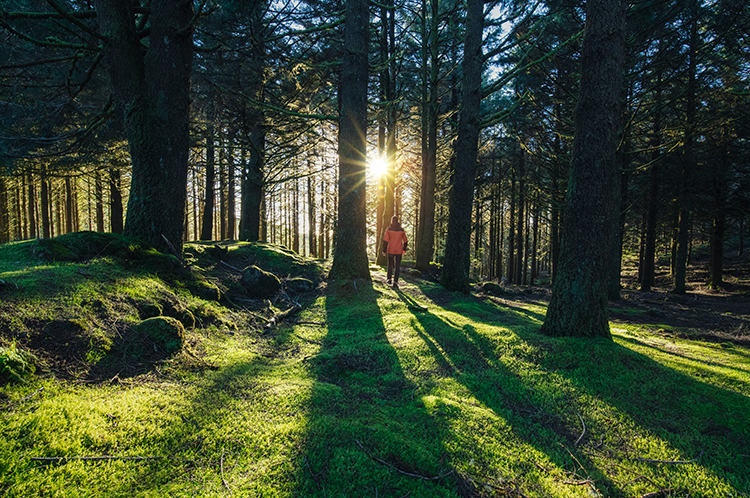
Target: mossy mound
259, 282
298, 285
166, 332
492, 289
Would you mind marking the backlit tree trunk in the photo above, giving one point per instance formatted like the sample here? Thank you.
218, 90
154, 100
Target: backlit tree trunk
457, 260
151, 89
350, 248
579, 295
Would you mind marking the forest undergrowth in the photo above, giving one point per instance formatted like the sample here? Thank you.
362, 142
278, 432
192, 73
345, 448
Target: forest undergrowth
362, 390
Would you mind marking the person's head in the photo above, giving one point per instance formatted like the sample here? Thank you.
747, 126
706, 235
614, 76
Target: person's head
394, 220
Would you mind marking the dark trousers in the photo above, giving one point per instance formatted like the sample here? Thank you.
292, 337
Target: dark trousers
394, 266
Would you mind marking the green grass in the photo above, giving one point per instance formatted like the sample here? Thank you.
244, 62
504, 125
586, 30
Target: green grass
416, 392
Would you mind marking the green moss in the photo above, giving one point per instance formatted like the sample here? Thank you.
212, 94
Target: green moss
16, 365
167, 333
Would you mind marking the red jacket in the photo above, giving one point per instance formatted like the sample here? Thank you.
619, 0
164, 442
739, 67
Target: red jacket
394, 240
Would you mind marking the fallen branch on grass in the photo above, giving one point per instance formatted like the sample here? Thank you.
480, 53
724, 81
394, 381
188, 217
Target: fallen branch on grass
435, 478
221, 468
282, 315
230, 266
584, 430
676, 462
105, 458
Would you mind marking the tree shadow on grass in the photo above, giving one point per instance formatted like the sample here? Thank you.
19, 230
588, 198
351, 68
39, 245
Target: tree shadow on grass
693, 418
531, 430
365, 435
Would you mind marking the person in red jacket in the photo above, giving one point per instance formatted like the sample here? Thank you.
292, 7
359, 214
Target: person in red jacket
395, 244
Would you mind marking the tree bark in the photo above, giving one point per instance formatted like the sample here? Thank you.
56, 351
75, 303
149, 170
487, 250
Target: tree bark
457, 261
579, 297
115, 201
151, 90
350, 247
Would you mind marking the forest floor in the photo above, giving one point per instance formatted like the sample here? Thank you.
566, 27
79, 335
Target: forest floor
355, 388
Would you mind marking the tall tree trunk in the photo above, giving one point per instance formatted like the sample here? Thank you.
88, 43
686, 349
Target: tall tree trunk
32, 207
648, 274
4, 212
456, 267
115, 201
579, 295
209, 199
312, 240
521, 240
223, 212
152, 92
68, 206
426, 234
683, 237
45, 203
511, 269
718, 225
350, 247
231, 205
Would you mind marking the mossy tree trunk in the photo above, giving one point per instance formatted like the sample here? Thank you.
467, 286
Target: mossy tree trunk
151, 90
350, 247
457, 259
579, 295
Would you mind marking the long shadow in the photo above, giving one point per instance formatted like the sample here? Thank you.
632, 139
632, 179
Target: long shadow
669, 408
366, 436
474, 362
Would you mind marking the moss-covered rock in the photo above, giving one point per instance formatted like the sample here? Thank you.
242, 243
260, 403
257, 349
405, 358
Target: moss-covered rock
492, 289
260, 283
298, 285
166, 332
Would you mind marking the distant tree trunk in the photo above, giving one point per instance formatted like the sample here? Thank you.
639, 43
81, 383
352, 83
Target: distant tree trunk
209, 199
151, 89
511, 269
4, 212
579, 295
683, 238
350, 246
295, 217
32, 208
68, 206
648, 275
718, 225
99, 195
313, 243
115, 201
457, 263
521, 240
231, 206
223, 213
45, 203
426, 234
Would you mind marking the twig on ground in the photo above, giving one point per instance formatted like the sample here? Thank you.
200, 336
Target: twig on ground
104, 458
321, 324
435, 478
307, 340
676, 462
230, 266
221, 468
584, 430
355, 288
275, 319
658, 494
26, 398
579, 483
174, 251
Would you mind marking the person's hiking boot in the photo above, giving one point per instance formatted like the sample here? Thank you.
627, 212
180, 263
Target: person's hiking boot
395, 285
389, 281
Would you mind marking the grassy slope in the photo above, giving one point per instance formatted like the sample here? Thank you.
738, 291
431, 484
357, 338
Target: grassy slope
416, 392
